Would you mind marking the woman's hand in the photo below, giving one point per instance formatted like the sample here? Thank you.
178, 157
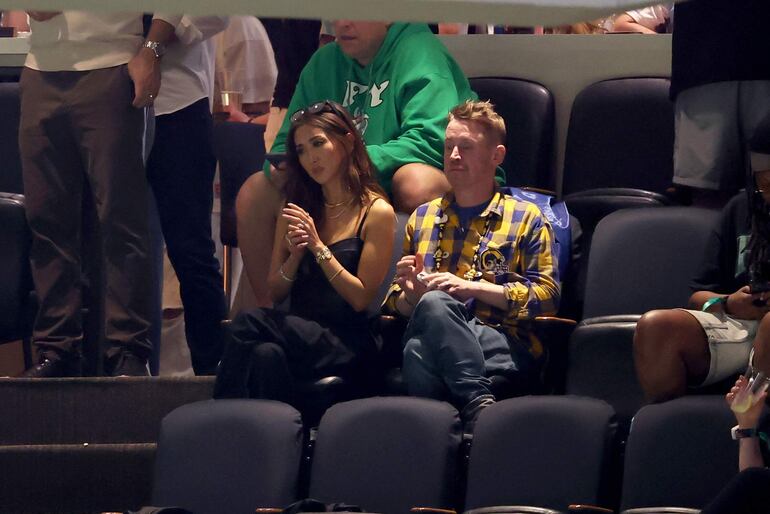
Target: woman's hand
301, 231
750, 418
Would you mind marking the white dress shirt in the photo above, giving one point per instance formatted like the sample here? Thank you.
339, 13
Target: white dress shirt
187, 69
83, 41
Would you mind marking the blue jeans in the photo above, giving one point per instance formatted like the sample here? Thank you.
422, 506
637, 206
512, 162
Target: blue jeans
448, 353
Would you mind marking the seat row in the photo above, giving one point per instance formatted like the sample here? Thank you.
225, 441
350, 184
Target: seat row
392, 454
641, 259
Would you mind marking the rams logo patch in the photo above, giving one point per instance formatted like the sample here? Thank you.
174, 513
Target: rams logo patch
493, 260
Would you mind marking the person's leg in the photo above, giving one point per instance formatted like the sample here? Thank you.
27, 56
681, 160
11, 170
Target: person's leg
111, 133
416, 183
53, 185
181, 172
440, 345
747, 493
256, 209
269, 375
670, 350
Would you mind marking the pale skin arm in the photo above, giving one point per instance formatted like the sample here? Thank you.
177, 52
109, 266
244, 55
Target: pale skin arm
625, 23
358, 290
462, 289
749, 452
412, 290
284, 254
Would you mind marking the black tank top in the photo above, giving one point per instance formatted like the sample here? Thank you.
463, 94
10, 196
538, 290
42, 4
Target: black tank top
313, 297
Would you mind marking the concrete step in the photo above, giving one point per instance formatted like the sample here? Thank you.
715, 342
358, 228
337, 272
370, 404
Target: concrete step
92, 410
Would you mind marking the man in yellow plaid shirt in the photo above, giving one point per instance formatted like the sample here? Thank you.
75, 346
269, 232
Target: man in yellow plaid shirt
477, 266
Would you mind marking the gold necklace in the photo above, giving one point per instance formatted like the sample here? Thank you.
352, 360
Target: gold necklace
339, 204
342, 211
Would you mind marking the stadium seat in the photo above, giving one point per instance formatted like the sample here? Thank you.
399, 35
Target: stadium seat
679, 454
240, 152
15, 280
387, 454
545, 452
528, 111
645, 259
228, 456
618, 155
641, 259
10, 176
620, 135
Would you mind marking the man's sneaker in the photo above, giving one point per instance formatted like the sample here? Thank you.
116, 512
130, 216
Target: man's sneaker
56, 367
472, 410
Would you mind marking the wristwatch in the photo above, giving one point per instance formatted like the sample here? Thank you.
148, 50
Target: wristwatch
324, 254
743, 433
157, 48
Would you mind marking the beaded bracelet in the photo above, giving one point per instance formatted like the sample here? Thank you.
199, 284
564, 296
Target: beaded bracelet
283, 275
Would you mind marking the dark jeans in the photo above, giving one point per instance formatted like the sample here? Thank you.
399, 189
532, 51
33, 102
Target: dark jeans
448, 353
747, 493
181, 170
79, 134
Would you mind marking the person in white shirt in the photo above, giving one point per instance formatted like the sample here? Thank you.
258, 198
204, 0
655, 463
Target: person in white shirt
245, 63
181, 170
649, 20
86, 82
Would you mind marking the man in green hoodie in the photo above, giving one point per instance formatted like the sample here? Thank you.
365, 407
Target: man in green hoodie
399, 82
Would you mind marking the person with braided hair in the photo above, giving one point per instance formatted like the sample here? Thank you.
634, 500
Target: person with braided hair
727, 325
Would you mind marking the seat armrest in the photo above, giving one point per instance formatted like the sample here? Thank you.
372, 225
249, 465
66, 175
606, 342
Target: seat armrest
540, 190
661, 510
554, 333
432, 510
612, 319
268, 510
512, 509
590, 509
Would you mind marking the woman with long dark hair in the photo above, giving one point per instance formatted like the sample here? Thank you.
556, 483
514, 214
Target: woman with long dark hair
331, 252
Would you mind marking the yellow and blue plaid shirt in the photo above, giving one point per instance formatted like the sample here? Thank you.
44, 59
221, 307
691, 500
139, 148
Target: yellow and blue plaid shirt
518, 254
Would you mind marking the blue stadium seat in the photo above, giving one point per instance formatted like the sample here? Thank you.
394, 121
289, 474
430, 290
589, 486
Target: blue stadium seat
545, 452
228, 456
387, 454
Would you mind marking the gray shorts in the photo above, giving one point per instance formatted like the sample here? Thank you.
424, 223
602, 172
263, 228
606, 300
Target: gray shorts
713, 125
730, 343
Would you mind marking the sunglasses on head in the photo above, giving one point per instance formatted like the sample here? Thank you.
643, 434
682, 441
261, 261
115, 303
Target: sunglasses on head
317, 108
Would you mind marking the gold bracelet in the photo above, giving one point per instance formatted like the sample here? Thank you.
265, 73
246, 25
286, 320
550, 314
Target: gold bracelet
335, 275
283, 275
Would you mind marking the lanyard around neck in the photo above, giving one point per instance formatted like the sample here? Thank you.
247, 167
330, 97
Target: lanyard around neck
473, 273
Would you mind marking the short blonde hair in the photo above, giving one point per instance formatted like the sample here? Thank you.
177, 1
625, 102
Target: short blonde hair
482, 112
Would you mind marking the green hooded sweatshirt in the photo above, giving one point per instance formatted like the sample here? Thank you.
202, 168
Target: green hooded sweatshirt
400, 100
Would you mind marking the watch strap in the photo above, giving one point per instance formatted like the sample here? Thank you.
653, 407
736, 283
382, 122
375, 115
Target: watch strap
743, 433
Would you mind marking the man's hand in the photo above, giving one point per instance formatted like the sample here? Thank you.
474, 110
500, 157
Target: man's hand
407, 269
144, 70
43, 15
456, 287
740, 304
